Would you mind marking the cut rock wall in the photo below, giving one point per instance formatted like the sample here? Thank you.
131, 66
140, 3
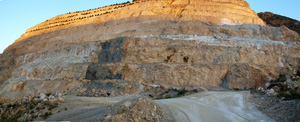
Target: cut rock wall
184, 53
216, 12
181, 43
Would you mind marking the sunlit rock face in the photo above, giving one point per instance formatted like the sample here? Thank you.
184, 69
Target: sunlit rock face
210, 43
215, 12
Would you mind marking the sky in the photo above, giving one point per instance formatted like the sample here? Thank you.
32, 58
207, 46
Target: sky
16, 16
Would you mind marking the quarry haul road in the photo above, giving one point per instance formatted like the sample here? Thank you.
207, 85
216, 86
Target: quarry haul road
214, 106
83, 109
209, 106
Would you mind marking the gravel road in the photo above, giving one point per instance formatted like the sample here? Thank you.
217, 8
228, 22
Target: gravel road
214, 106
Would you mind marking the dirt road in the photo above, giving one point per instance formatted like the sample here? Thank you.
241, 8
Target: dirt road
210, 106
83, 108
214, 106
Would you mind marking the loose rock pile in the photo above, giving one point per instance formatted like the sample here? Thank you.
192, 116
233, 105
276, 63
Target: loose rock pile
279, 98
30, 107
163, 92
283, 87
138, 109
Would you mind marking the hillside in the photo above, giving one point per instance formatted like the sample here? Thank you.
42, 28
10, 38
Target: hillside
278, 20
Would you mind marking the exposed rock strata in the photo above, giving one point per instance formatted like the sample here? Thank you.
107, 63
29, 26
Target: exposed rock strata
218, 12
123, 54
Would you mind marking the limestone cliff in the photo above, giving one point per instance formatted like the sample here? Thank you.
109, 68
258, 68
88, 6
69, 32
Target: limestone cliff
210, 43
217, 12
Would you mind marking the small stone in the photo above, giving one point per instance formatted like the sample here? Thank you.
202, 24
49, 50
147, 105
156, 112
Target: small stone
42, 107
271, 92
267, 85
104, 93
288, 81
60, 99
59, 95
24, 99
51, 98
36, 99
260, 89
148, 88
108, 117
42, 96
276, 88
127, 104
187, 88
93, 90
297, 84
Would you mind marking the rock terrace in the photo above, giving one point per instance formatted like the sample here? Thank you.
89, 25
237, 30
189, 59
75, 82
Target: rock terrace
217, 12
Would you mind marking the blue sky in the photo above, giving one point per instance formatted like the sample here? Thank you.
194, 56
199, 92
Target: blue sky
18, 15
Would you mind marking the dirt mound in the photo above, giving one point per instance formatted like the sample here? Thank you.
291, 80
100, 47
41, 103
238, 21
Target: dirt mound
138, 109
278, 20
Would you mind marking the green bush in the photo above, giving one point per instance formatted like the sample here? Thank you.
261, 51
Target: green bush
181, 92
281, 78
298, 73
31, 106
48, 94
289, 95
46, 115
13, 118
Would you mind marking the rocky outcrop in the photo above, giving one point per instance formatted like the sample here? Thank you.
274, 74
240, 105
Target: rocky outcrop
278, 20
120, 56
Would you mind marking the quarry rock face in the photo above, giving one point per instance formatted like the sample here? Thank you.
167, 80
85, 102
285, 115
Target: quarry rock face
209, 43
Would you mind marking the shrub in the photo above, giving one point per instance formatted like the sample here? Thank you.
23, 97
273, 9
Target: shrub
13, 118
298, 73
281, 78
48, 94
46, 115
289, 95
31, 106
181, 92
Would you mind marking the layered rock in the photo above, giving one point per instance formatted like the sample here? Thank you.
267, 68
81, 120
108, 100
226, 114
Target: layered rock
217, 12
123, 53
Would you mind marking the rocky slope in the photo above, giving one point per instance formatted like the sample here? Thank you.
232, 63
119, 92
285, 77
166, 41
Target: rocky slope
278, 20
159, 43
